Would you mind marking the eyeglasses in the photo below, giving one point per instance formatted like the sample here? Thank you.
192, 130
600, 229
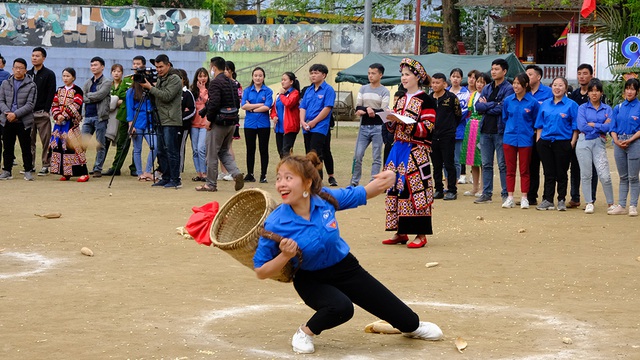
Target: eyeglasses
19, 68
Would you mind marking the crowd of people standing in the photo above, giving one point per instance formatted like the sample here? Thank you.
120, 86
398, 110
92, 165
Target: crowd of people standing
517, 125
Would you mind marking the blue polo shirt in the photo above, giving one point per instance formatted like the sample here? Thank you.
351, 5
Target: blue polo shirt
319, 237
518, 117
256, 120
316, 100
544, 92
557, 120
279, 128
587, 113
626, 118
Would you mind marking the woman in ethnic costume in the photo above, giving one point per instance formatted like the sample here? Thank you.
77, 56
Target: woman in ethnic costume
408, 202
68, 156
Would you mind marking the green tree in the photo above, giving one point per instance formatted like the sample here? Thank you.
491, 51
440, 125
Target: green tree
339, 12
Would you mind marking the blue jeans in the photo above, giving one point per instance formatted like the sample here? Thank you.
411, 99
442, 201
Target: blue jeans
456, 155
628, 164
169, 152
92, 125
593, 154
152, 141
199, 147
368, 134
490, 144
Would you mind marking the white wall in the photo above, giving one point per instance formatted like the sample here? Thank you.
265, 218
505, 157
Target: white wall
579, 51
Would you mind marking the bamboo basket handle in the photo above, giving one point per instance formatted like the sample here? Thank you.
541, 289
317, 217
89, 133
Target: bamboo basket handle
278, 238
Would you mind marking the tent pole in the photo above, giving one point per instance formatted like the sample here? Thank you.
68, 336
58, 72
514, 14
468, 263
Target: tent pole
367, 27
416, 50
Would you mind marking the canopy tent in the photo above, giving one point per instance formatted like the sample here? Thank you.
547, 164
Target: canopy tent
434, 63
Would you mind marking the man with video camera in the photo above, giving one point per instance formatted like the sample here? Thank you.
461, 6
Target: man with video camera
166, 96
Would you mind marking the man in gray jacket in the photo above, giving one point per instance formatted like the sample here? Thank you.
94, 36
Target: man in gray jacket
97, 96
17, 99
167, 97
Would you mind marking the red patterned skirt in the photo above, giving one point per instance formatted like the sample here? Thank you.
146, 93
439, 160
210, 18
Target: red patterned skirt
408, 202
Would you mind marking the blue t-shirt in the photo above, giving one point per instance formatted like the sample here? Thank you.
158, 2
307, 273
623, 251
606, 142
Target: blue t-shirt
544, 92
91, 109
144, 118
587, 113
626, 118
518, 117
319, 237
316, 100
4, 75
256, 120
557, 120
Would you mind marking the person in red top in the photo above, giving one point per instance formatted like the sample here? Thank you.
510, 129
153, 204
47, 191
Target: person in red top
285, 113
199, 89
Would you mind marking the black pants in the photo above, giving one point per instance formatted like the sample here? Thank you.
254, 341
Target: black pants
326, 153
11, 131
331, 292
279, 144
315, 142
534, 175
262, 134
288, 141
442, 153
576, 182
556, 157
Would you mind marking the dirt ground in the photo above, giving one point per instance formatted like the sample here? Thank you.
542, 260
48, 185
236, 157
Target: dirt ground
565, 288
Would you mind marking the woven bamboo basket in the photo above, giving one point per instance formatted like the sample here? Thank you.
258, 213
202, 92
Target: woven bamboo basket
236, 227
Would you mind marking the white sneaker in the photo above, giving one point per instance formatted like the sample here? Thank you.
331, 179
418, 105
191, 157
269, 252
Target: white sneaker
524, 203
508, 204
462, 180
617, 210
227, 177
426, 331
478, 194
302, 343
468, 193
633, 211
611, 208
589, 209
221, 175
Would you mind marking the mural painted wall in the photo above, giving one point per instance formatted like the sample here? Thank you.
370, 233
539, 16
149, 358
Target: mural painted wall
103, 27
346, 38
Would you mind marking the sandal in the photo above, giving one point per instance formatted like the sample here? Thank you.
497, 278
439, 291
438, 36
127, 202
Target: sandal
206, 187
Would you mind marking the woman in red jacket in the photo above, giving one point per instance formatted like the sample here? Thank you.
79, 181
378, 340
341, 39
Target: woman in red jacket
286, 114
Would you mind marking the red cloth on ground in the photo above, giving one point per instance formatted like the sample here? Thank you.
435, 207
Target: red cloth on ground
200, 222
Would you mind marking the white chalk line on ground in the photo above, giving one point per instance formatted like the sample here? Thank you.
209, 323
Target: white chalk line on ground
578, 331
39, 263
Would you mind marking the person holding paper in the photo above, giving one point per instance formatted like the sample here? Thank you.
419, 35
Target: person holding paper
408, 202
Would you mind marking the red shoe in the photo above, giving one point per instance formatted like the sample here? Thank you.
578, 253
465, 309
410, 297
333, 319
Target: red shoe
396, 239
64, 178
422, 243
83, 178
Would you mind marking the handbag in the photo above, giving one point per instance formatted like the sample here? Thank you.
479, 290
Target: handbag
112, 125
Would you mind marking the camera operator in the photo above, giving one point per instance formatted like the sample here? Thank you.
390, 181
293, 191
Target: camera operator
166, 96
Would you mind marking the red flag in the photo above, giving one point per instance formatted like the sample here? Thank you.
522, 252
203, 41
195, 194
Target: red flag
588, 6
562, 40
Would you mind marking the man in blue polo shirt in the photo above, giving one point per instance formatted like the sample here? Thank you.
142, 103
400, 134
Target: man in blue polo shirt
315, 110
540, 92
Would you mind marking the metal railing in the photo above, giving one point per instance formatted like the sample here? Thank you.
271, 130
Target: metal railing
550, 71
294, 60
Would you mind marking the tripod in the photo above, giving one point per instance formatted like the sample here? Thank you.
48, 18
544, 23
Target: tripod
151, 129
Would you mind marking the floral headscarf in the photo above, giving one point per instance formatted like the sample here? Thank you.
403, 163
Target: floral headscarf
416, 68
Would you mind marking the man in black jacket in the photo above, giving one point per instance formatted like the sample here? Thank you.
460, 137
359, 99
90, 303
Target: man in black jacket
223, 94
448, 116
45, 80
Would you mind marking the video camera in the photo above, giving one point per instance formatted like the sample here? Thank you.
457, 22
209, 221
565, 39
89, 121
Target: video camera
142, 74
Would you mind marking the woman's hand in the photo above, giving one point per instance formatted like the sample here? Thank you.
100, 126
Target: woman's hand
289, 248
380, 183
